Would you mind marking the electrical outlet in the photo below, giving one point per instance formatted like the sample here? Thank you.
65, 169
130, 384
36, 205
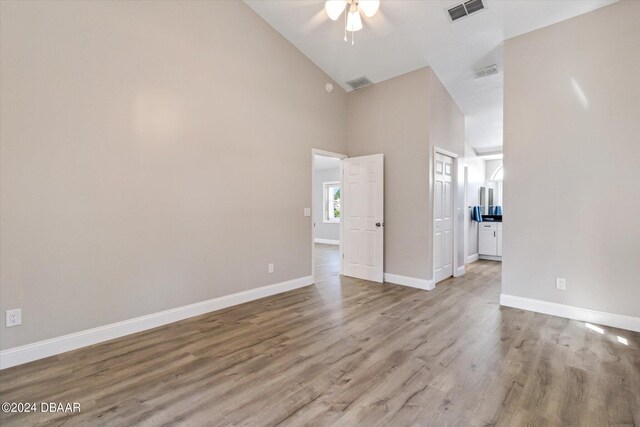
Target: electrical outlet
14, 317
561, 283
270, 268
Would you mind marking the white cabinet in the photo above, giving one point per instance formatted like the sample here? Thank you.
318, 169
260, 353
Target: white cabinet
490, 239
487, 239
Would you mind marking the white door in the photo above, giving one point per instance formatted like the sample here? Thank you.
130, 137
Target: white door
362, 216
443, 213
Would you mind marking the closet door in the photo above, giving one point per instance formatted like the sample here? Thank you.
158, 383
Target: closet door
443, 224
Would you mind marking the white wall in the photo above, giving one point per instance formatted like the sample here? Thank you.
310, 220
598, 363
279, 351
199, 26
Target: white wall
324, 230
572, 157
153, 155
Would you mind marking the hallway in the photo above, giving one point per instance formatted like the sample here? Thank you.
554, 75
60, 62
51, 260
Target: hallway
327, 262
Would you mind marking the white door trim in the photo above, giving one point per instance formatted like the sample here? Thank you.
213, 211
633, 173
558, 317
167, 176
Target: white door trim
317, 152
465, 211
432, 178
409, 281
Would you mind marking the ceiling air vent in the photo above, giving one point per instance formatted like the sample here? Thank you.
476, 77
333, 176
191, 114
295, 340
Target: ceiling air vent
465, 9
358, 83
473, 6
486, 71
457, 12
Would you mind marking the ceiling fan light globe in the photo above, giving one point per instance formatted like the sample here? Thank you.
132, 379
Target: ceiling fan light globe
354, 22
369, 7
334, 8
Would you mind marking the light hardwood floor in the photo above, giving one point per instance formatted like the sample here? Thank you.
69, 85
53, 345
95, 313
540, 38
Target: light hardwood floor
348, 352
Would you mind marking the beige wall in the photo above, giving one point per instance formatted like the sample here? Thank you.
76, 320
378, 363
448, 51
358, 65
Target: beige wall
392, 118
403, 118
154, 154
572, 155
446, 131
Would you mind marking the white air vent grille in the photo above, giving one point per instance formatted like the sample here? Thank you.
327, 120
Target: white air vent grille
358, 83
465, 9
473, 6
457, 12
486, 71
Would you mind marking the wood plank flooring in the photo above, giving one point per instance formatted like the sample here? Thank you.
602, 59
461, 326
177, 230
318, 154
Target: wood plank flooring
348, 352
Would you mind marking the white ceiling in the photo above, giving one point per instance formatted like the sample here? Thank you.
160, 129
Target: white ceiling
322, 163
409, 34
491, 156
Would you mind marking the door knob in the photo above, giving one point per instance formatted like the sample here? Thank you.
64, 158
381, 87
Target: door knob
379, 224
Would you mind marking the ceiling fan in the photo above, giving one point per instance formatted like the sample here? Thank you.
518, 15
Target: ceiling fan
351, 9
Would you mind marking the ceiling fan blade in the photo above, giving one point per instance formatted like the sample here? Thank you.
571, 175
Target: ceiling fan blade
335, 8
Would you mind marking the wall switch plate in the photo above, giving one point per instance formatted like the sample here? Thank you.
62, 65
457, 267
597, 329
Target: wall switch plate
270, 268
307, 211
14, 317
561, 283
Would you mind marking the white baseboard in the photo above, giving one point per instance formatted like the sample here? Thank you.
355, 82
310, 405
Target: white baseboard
38, 350
409, 281
327, 241
472, 258
571, 312
490, 257
459, 272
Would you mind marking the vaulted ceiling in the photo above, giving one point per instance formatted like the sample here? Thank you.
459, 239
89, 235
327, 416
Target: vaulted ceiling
409, 34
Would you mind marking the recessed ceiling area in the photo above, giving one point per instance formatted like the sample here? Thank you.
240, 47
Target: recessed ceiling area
406, 35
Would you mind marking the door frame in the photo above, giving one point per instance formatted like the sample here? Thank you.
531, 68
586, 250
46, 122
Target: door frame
432, 176
317, 152
465, 212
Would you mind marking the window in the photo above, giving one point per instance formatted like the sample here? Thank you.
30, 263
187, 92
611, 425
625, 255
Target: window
331, 202
498, 175
496, 181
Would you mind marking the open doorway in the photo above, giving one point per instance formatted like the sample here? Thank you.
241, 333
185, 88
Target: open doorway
483, 195
326, 212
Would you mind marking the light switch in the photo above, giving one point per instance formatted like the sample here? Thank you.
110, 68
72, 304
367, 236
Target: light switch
307, 211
